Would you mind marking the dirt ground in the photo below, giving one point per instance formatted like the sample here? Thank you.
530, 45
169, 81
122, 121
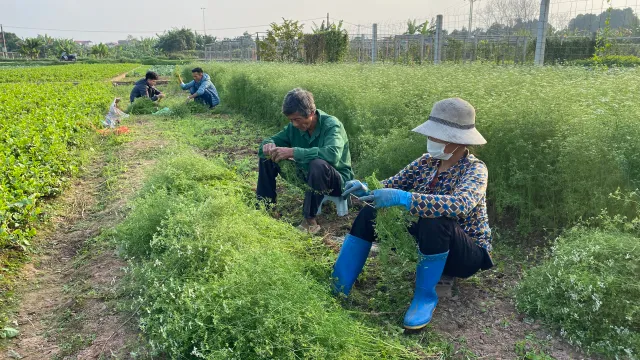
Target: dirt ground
480, 318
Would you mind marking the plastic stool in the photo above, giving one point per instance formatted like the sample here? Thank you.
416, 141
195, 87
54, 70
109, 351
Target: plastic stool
445, 286
341, 205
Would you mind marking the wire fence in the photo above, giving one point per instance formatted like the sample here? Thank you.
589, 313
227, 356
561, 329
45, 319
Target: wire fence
579, 28
505, 32
10, 55
232, 50
420, 48
390, 48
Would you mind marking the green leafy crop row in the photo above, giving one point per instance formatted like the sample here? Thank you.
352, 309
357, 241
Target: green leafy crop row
588, 288
214, 278
41, 126
560, 140
63, 73
161, 70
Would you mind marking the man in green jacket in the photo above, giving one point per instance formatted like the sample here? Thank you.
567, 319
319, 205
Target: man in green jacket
317, 143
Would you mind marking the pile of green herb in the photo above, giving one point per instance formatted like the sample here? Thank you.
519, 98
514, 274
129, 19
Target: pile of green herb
142, 106
214, 278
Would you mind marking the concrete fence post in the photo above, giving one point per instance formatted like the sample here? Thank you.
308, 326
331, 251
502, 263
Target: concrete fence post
374, 44
542, 32
437, 48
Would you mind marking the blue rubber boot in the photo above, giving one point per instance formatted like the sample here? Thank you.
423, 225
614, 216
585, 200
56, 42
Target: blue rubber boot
353, 255
425, 299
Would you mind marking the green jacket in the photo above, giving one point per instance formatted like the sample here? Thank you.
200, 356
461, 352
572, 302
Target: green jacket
328, 142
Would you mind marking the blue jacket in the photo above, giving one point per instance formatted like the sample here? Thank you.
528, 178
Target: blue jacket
204, 86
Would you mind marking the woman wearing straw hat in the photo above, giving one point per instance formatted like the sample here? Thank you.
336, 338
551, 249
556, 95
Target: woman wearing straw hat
446, 189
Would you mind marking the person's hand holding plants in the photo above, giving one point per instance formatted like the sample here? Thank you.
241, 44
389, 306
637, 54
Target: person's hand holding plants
281, 153
356, 188
267, 148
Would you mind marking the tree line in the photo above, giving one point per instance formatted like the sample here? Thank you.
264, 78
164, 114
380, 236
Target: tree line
170, 42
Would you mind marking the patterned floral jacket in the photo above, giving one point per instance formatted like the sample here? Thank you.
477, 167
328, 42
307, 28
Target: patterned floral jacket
459, 193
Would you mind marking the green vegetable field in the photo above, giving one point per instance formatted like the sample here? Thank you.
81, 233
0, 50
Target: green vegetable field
161, 70
186, 267
553, 133
64, 73
43, 126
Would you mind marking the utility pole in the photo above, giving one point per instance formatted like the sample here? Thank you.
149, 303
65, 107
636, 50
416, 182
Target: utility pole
470, 25
257, 47
204, 26
327, 20
4, 42
470, 17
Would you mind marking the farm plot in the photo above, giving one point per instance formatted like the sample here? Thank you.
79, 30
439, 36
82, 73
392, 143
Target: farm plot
562, 151
161, 70
64, 73
42, 127
553, 133
212, 277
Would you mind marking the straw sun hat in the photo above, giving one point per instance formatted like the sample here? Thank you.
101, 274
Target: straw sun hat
454, 121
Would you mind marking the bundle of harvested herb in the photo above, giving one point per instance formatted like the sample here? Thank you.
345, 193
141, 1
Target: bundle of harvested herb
397, 251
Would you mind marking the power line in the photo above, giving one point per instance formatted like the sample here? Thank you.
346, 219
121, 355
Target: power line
141, 31
453, 6
85, 31
352, 24
255, 26
204, 26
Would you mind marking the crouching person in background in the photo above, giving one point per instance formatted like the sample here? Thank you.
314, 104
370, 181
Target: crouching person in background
201, 88
146, 88
317, 142
446, 189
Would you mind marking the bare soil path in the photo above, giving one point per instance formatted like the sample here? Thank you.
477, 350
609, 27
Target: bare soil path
68, 307
123, 75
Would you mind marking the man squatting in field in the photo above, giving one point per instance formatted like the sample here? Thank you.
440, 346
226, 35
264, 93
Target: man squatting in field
317, 142
201, 88
146, 88
446, 189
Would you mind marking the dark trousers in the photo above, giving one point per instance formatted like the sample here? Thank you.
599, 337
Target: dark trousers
434, 236
323, 179
207, 98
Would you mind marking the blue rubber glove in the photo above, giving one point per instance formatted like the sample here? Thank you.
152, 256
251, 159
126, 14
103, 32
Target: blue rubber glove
384, 198
356, 188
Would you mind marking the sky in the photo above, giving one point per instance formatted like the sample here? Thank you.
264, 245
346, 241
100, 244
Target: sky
112, 20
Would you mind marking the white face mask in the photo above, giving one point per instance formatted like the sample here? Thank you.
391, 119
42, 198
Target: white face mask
436, 150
